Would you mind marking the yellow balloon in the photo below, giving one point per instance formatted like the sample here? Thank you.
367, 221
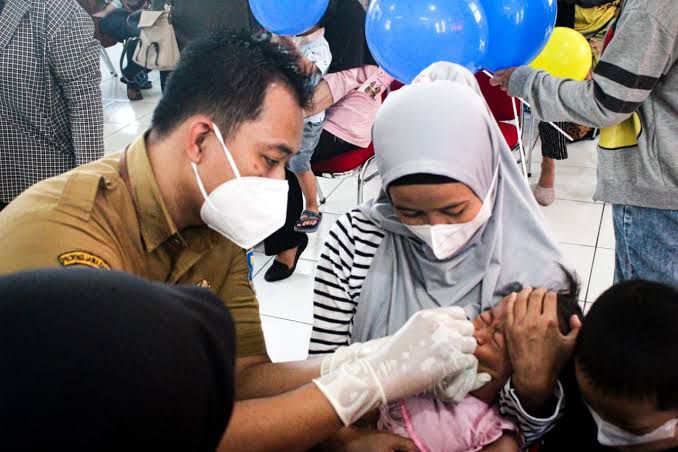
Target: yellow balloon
567, 54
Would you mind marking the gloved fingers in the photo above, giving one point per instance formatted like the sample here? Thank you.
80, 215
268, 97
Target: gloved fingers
481, 380
453, 313
467, 345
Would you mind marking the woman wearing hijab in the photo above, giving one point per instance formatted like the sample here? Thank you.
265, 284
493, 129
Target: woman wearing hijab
102, 361
455, 224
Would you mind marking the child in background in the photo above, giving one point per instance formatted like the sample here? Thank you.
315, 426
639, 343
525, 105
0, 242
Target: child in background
316, 52
475, 423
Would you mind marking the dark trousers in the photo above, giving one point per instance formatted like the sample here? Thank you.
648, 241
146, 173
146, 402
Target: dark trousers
286, 238
2, 205
116, 25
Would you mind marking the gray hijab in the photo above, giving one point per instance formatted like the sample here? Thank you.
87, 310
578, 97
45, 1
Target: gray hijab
441, 125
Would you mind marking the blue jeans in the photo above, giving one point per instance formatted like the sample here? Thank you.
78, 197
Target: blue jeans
647, 244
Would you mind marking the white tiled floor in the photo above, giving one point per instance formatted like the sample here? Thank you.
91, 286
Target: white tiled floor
583, 227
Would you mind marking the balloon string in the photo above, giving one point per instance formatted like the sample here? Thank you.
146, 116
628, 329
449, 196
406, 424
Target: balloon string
524, 102
519, 129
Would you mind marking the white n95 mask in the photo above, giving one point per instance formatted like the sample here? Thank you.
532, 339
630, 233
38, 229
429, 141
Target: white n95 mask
613, 436
446, 240
245, 210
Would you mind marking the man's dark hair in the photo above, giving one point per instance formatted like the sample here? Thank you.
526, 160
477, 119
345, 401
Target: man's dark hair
226, 75
627, 345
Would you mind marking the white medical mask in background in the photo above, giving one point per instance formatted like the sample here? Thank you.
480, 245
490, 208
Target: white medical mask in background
613, 436
446, 240
245, 210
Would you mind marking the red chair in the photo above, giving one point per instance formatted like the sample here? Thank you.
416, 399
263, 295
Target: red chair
500, 106
349, 163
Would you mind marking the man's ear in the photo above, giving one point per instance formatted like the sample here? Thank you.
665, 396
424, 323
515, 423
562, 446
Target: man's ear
199, 129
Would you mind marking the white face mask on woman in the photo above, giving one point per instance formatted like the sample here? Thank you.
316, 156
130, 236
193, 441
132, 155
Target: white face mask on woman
613, 436
245, 210
446, 240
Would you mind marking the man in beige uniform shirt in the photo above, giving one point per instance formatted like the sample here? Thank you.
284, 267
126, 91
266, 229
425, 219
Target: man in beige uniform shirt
147, 210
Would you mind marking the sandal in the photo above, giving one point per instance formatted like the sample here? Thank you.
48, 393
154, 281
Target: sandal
280, 271
306, 216
133, 94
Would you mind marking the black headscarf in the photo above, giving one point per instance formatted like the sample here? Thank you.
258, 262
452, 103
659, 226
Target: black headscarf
103, 361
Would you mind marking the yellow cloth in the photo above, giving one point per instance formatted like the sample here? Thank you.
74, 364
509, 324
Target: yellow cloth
623, 135
592, 20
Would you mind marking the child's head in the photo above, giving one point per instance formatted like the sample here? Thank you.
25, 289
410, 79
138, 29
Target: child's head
626, 360
492, 352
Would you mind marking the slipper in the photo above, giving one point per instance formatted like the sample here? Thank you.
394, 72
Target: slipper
308, 215
544, 196
280, 271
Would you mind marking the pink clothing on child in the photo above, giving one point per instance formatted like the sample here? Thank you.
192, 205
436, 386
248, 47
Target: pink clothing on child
357, 94
436, 426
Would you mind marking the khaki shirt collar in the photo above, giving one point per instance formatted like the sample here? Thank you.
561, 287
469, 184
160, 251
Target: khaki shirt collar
155, 221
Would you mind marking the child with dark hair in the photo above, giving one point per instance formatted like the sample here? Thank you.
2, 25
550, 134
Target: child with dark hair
475, 423
625, 395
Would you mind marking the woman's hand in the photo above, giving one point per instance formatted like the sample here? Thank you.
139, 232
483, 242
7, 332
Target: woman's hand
537, 348
367, 440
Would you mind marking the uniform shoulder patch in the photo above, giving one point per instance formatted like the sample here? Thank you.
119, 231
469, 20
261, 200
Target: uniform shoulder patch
83, 258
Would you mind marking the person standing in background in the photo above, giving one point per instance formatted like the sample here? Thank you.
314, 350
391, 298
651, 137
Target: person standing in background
51, 116
192, 18
120, 21
592, 18
633, 97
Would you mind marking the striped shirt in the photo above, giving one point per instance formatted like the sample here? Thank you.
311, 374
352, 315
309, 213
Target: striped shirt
343, 267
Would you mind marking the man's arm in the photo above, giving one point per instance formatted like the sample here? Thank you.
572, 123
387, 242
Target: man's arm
258, 377
74, 62
538, 351
300, 419
295, 421
641, 51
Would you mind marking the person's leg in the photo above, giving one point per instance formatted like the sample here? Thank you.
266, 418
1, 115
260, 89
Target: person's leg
164, 75
300, 164
310, 190
286, 244
622, 270
553, 147
650, 243
547, 178
330, 146
285, 239
114, 24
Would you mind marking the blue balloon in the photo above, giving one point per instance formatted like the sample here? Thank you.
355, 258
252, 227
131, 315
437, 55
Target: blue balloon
406, 36
519, 30
288, 17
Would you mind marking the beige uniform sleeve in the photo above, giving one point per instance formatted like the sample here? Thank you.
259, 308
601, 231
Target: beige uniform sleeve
238, 294
54, 242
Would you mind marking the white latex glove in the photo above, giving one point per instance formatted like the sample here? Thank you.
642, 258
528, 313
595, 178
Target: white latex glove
350, 353
431, 346
456, 387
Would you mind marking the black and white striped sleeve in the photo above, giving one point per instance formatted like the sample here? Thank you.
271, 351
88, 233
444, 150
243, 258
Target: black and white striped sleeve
341, 271
531, 427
